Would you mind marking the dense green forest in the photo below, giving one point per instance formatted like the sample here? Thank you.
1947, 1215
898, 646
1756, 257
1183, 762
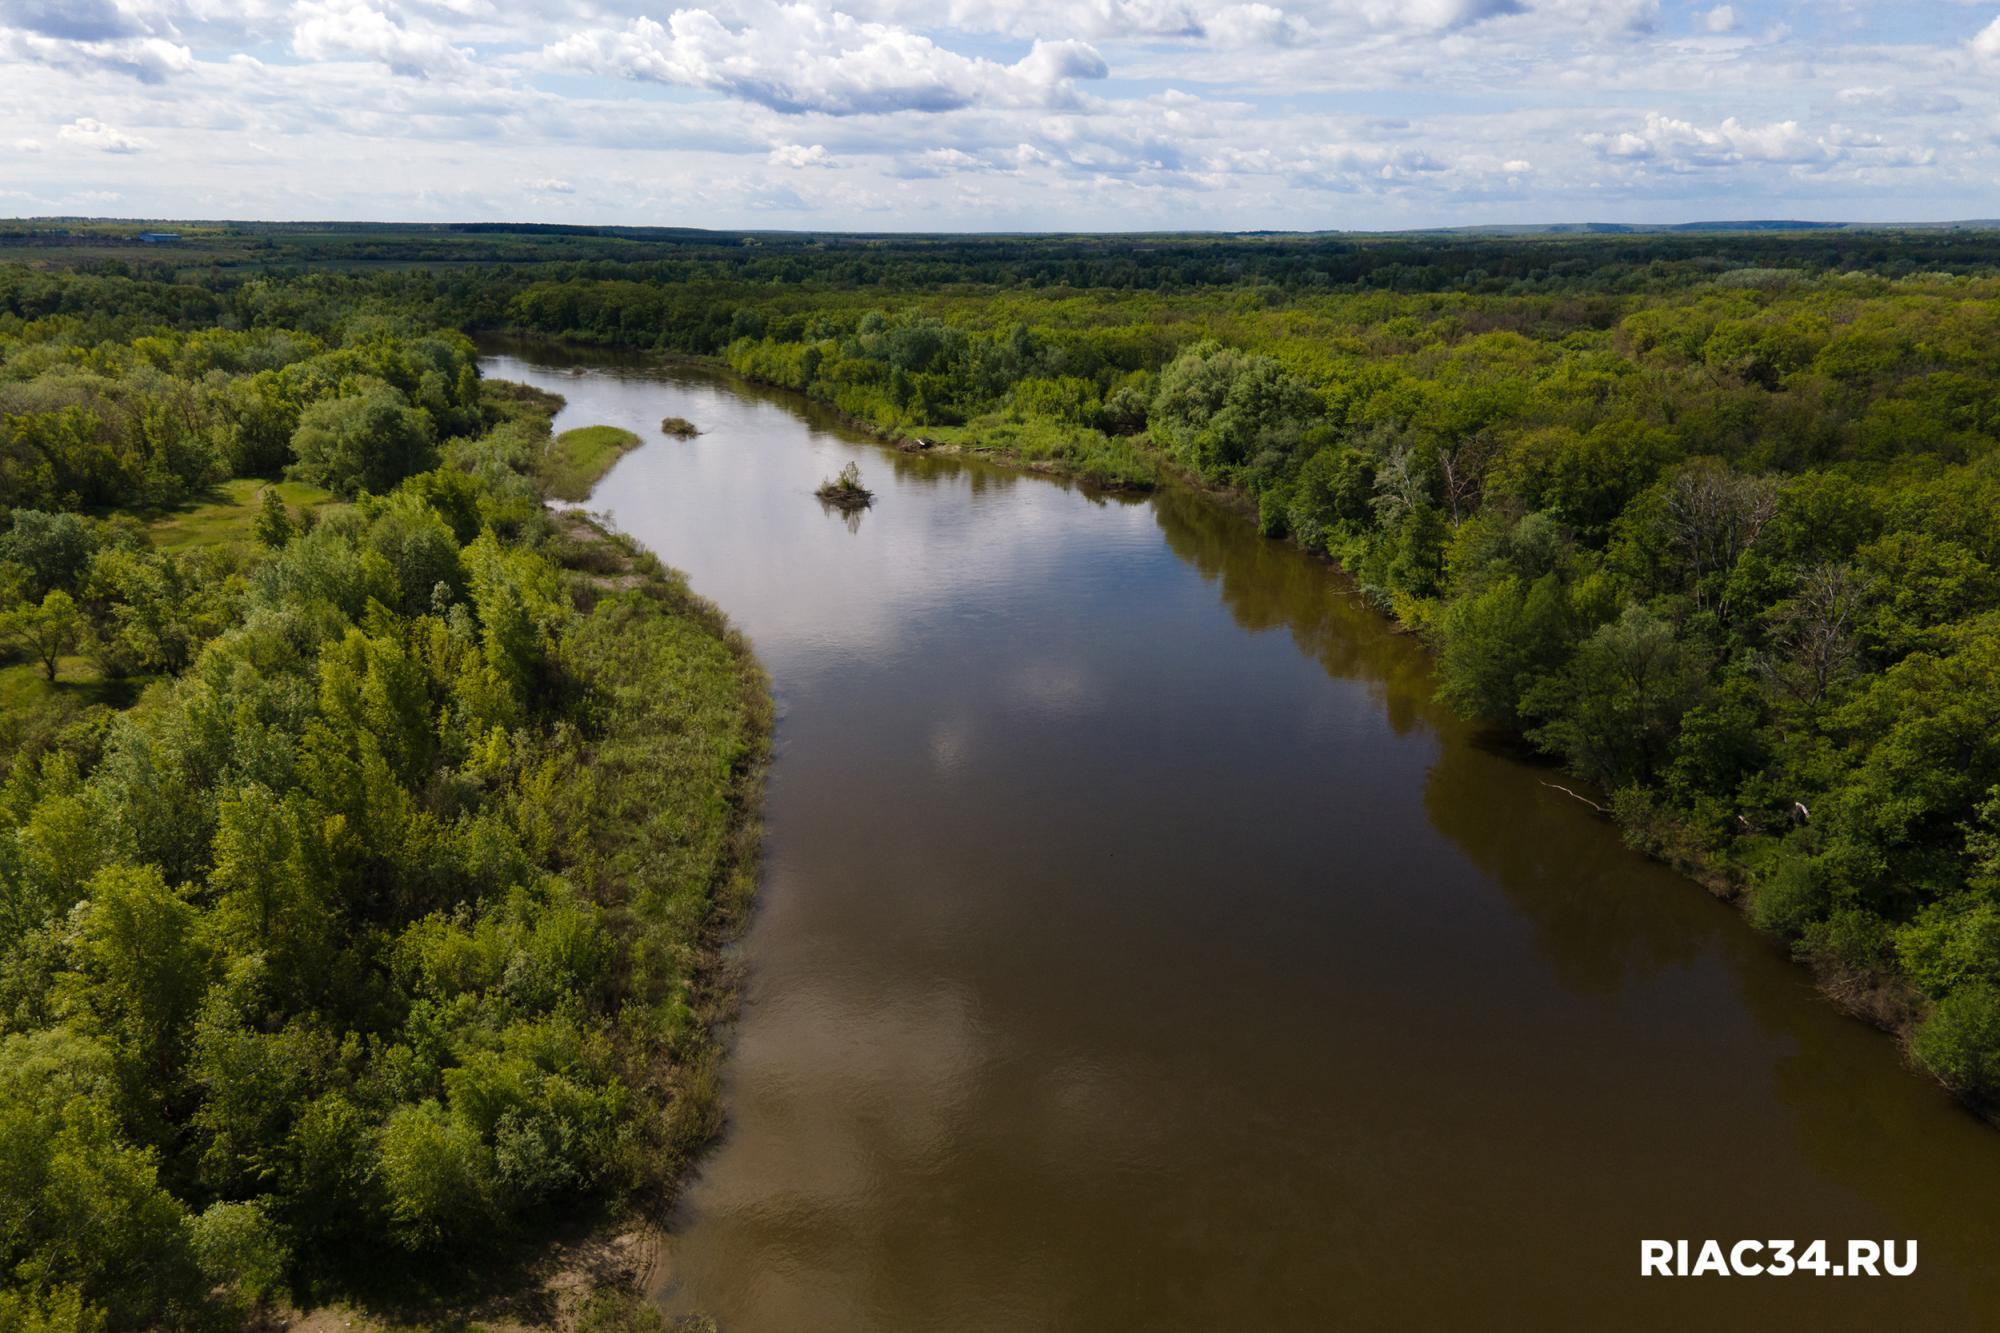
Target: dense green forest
362, 836
1714, 523
1710, 519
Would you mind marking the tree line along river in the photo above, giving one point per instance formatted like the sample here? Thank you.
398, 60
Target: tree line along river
1140, 947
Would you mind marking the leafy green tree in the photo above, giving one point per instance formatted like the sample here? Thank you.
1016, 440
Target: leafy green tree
274, 522
329, 1183
238, 1247
88, 1235
1220, 408
437, 1175
1499, 642
268, 901
1332, 493
62, 1310
1922, 750
52, 550
1952, 944
140, 968
1925, 582
363, 441
1613, 712
261, 412
46, 631
420, 547
57, 848
157, 608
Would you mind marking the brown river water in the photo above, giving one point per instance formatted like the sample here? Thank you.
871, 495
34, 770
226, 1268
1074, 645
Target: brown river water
1140, 947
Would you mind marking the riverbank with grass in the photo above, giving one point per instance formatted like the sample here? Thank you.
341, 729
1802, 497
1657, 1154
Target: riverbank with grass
665, 797
1040, 445
574, 460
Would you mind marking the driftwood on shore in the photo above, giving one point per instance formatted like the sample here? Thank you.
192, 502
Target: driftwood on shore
1556, 786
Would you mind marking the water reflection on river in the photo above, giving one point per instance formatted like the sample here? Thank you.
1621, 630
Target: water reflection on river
1141, 948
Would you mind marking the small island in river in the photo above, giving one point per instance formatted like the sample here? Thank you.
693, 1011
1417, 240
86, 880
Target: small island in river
845, 492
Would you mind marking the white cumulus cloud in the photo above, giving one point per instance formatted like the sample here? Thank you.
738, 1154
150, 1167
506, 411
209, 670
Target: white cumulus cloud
797, 59
1987, 44
799, 156
1686, 144
148, 59
355, 30
1254, 25
87, 132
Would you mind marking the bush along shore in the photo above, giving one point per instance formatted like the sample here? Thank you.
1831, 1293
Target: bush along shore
365, 864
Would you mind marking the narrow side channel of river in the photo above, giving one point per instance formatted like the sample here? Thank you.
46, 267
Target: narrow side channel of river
1141, 948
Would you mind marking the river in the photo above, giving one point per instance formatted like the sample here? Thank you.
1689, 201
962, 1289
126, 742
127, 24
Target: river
1140, 947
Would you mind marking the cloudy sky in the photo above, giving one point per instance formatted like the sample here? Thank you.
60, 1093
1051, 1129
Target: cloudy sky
990, 115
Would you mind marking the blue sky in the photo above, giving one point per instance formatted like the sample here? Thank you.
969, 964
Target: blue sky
983, 115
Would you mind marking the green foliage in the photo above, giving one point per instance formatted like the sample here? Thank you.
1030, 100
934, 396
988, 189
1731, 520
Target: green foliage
1960, 1041
846, 491
274, 522
363, 441
430, 826
1077, 451
1950, 945
86, 1230
1223, 411
576, 459
1613, 712
436, 1175
49, 551
614, 1311
1499, 642
238, 1248
60, 1311
328, 961
44, 631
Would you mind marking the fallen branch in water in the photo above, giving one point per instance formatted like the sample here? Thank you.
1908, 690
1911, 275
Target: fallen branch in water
1574, 796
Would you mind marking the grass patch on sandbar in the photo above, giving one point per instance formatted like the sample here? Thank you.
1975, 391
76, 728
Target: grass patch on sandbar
576, 459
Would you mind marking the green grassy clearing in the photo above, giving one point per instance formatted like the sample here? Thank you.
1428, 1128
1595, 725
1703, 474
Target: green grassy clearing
576, 459
1076, 450
227, 516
